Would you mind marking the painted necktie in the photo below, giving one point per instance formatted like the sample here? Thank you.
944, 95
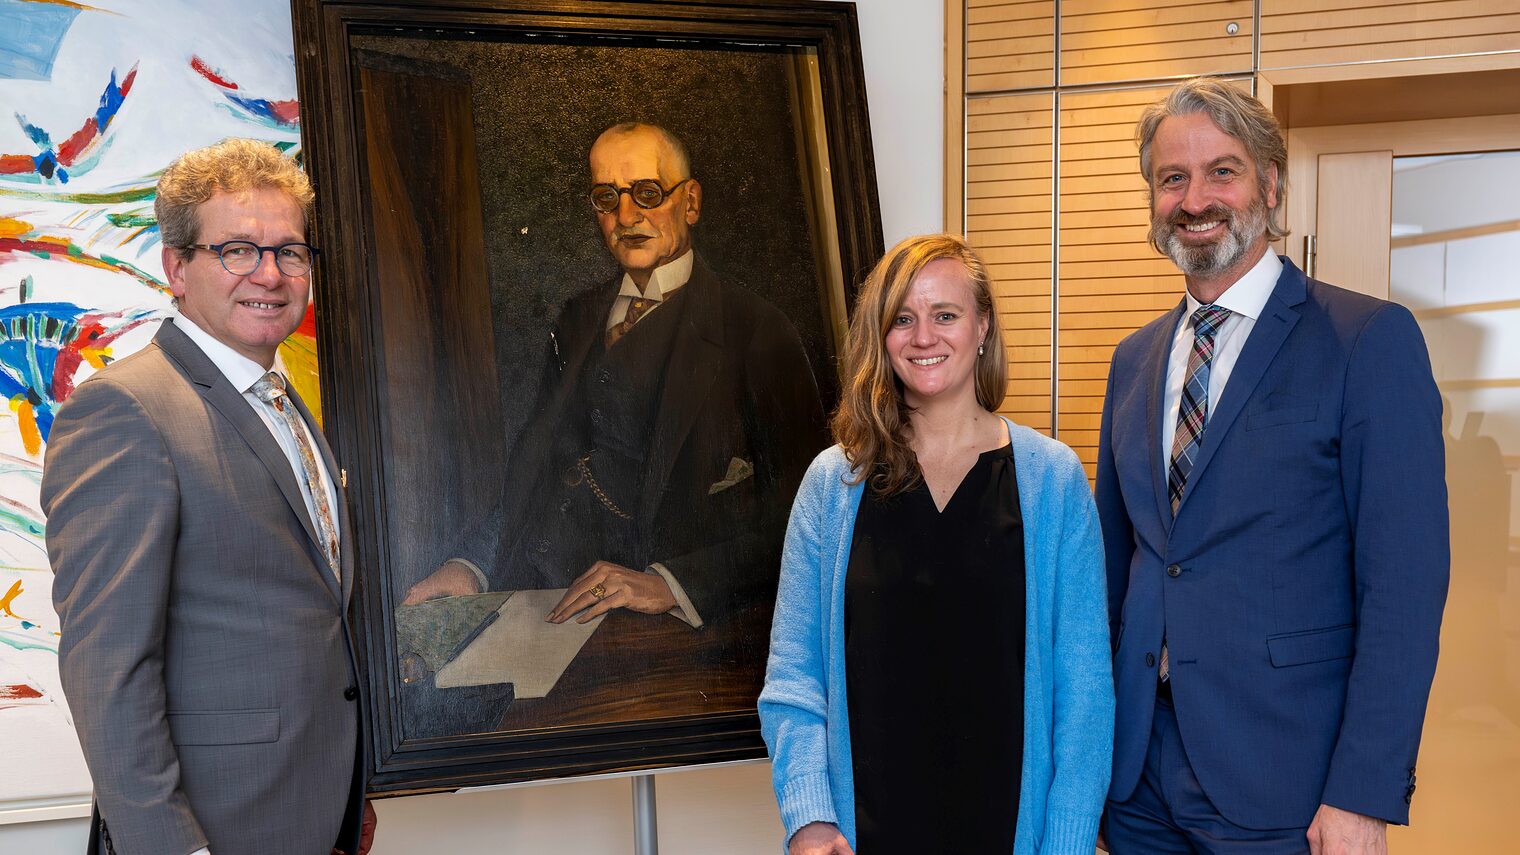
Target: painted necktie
636, 309
1192, 415
271, 389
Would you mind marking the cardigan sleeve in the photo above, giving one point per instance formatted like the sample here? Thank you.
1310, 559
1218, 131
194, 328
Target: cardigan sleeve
1083, 688
794, 703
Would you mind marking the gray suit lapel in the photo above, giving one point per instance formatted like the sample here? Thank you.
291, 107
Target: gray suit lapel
345, 551
218, 392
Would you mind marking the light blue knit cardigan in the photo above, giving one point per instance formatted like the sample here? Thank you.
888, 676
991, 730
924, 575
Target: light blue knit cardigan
1068, 677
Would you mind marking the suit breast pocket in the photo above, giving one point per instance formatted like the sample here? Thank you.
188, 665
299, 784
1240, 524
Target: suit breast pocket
224, 727
1281, 416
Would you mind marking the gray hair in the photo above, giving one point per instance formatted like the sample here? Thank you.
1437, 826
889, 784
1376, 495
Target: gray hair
1234, 112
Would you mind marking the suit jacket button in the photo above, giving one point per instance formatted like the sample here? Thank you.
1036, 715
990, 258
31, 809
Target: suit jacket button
1173, 570
1150, 660
351, 693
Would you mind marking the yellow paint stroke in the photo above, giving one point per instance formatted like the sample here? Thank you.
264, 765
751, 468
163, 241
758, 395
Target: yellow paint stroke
68, 5
26, 418
10, 597
10, 227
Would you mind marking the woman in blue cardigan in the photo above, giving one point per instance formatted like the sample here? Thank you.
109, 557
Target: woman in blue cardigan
939, 676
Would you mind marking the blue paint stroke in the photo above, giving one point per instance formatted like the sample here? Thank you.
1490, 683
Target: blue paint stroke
33, 337
24, 643
30, 39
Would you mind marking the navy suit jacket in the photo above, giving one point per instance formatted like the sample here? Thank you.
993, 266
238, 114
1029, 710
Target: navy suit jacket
1301, 583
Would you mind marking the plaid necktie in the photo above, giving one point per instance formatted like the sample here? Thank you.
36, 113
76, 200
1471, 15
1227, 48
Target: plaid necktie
1192, 415
271, 389
1193, 410
637, 308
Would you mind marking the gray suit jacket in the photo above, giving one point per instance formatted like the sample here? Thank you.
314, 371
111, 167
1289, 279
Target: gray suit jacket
206, 653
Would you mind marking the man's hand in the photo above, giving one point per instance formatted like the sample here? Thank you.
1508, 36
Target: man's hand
1341, 832
619, 588
367, 828
366, 831
451, 580
818, 838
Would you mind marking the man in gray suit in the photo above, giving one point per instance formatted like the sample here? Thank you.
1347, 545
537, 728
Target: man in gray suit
198, 535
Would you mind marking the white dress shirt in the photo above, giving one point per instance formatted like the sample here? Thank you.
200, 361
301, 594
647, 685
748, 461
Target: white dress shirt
242, 373
663, 282
1245, 299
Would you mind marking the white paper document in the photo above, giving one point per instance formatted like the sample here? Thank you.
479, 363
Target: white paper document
521, 648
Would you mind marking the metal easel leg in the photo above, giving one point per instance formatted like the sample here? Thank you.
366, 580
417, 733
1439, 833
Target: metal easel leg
646, 839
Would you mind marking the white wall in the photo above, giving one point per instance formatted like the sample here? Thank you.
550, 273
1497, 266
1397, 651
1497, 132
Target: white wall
728, 810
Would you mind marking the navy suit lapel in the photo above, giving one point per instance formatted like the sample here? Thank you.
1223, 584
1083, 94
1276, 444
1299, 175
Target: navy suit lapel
1277, 320
1157, 358
218, 392
345, 541
695, 360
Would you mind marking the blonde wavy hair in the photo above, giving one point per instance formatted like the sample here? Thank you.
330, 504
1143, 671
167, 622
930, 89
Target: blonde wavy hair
230, 166
871, 422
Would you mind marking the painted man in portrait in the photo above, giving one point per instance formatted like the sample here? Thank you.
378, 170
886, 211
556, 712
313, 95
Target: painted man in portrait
676, 416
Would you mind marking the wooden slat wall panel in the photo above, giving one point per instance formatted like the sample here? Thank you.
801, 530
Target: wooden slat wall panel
1112, 40
1009, 140
1111, 281
1326, 32
1010, 44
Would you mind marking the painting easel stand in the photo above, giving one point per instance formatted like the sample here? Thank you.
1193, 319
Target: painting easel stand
646, 838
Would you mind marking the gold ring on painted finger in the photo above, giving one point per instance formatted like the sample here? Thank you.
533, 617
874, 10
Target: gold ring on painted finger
599, 592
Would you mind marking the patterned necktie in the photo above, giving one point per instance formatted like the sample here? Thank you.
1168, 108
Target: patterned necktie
636, 309
1193, 410
271, 390
1192, 414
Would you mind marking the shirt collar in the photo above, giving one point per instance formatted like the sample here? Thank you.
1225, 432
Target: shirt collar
239, 370
1248, 296
664, 281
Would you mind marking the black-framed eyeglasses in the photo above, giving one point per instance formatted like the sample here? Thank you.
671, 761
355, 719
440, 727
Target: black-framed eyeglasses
242, 257
645, 192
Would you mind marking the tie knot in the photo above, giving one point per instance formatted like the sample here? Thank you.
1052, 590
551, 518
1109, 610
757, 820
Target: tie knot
269, 387
1208, 319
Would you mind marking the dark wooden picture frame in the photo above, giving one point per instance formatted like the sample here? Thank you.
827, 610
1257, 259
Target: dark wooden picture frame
447, 142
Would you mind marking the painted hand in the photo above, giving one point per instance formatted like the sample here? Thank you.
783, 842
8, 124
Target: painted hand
818, 838
619, 587
1341, 832
451, 580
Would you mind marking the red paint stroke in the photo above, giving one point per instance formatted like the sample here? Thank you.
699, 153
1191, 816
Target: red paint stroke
210, 73
19, 692
16, 164
82, 138
284, 112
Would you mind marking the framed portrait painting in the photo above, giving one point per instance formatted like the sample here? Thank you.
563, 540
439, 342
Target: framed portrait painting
584, 283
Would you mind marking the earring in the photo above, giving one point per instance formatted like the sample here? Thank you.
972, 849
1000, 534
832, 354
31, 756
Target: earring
981, 348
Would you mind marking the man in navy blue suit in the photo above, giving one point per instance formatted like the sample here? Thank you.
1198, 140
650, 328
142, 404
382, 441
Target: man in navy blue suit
1271, 486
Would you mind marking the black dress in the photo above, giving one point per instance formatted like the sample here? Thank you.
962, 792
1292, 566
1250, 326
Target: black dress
934, 658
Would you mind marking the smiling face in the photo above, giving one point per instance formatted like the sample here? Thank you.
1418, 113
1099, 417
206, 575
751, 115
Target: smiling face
1210, 204
932, 339
642, 239
251, 314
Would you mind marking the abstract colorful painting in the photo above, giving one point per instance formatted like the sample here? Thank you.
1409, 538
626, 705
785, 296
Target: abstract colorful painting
96, 98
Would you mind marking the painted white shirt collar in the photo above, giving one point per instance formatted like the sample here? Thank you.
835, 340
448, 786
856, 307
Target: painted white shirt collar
663, 282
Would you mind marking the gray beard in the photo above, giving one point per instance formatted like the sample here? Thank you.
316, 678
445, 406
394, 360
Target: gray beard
1209, 260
